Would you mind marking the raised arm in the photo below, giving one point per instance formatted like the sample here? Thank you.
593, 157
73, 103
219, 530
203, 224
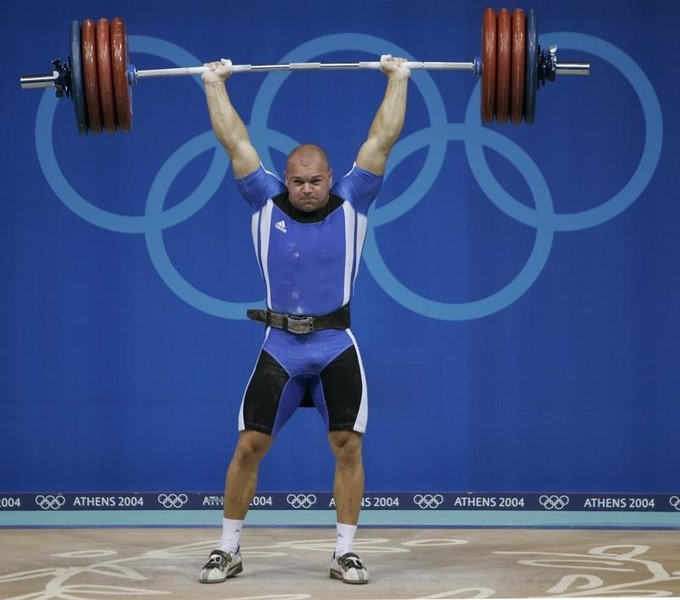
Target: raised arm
226, 122
389, 119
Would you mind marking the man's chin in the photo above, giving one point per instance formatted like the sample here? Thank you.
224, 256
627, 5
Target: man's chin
309, 206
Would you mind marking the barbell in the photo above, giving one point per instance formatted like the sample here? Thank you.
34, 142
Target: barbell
98, 76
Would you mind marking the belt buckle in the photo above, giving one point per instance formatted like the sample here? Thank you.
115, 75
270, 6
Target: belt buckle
300, 325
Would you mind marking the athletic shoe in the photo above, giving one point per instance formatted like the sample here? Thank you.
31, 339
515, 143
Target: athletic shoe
220, 566
349, 568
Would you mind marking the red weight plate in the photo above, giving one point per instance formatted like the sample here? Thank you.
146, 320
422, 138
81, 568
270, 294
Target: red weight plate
106, 98
504, 42
88, 41
119, 65
488, 65
517, 78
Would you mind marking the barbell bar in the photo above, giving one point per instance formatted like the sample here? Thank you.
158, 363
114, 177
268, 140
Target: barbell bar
98, 76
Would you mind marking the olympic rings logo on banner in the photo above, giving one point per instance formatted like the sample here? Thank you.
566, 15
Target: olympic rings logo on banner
301, 500
173, 500
50, 502
553, 502
428, 501
674, 501
542, 217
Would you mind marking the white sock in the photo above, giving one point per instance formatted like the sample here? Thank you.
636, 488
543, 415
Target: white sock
344, 542
231, 535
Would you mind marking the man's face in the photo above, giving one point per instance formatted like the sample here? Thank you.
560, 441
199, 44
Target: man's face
309, 180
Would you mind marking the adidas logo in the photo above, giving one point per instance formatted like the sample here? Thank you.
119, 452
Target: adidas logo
281, 226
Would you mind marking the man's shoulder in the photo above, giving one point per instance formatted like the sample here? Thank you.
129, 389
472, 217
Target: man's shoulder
359, 187
260, 185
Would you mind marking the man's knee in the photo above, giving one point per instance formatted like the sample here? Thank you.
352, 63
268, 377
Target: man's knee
346, 446
251, 447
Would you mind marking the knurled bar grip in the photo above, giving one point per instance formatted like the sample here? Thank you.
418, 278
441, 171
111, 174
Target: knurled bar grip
305, 66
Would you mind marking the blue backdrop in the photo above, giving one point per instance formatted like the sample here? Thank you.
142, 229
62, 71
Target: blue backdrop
517, 304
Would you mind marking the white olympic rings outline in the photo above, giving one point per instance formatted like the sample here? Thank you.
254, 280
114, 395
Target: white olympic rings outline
428, 501
553, 502
436, 137
301, 500
674, 501
172, 500
50, 501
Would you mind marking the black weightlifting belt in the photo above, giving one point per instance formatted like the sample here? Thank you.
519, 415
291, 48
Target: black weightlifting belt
338, 319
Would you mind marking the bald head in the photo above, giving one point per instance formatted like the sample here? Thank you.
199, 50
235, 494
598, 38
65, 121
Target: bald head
308, 177
307, 154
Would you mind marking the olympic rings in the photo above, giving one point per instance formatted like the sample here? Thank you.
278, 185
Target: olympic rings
301, 500
173, 500
111, 221
374, 45
50, 501
428, 501
435, 138
517, 287
553, 502
624, 198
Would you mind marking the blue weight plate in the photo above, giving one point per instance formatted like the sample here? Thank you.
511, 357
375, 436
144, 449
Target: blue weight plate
77, 87
531, 73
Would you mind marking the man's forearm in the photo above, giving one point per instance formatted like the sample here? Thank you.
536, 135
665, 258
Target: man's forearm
226, 122
389, 119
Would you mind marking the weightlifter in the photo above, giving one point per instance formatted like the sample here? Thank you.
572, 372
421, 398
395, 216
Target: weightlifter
308, 232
